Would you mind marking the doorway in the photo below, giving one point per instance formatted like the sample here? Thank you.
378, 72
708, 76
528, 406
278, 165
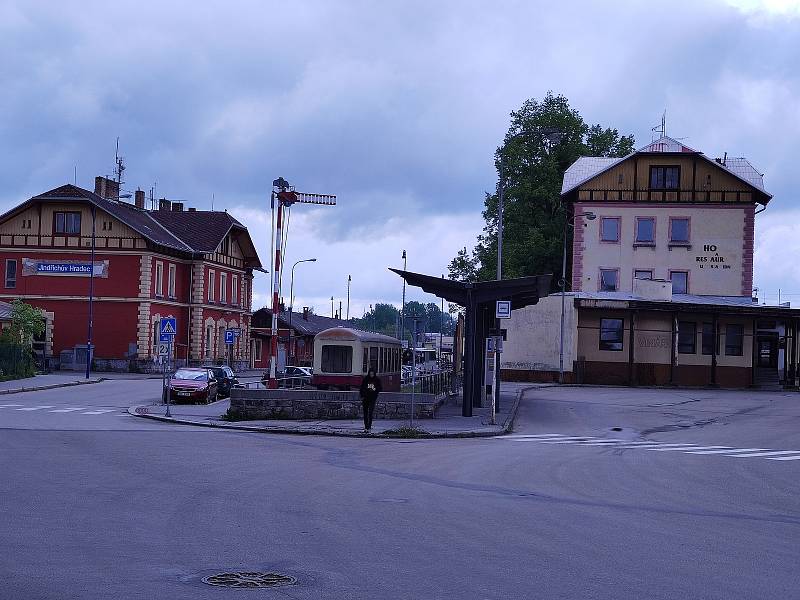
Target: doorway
767, 351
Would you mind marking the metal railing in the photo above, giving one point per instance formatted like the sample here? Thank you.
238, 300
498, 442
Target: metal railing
438, 384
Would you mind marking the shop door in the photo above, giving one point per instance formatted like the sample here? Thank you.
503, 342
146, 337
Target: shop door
768, 352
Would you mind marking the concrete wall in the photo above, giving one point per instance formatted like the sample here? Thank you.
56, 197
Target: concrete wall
718, 258
533, 336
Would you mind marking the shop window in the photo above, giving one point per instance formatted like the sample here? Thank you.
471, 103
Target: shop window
611, 334
734, 339
680, 282
645, 230
11, 273
337, 359
609, 229
609, 280
708, 339
679, 230
665, 178
687, 337
67, 223
643, 274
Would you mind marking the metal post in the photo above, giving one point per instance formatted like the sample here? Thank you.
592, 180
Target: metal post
413, 372
441, 325
563, 284
403, 307
291, 300
500, 223
349, 279
91, 298
276, 278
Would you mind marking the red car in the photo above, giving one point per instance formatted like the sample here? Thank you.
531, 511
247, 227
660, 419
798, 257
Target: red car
193, 386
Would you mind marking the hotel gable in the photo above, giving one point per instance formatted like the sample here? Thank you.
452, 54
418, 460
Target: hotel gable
661, 286
196, 266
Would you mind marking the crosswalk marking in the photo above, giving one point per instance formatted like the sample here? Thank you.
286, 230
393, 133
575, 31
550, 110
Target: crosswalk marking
36, 407
67, 410
10, 405
99, 412
49, 408
653, 446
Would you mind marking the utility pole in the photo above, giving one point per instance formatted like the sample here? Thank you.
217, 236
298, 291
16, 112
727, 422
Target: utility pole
403, 309
286, 196
332, 313
91, 298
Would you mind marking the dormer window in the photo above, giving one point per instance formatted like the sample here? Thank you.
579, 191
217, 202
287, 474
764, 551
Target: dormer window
665, 178
225, 247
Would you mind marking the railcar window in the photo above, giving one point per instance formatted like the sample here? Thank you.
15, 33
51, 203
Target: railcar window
366, 360
373, 358
337, 359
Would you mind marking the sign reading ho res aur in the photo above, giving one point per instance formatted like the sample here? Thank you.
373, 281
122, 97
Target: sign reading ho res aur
69, 268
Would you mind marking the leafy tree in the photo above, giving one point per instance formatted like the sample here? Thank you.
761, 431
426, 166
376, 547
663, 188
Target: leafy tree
545, 137
26, 322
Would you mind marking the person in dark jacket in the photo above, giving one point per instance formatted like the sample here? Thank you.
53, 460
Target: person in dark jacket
370, 388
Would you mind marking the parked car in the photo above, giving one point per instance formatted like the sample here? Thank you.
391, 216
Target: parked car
193, 385
226, 380
292, 376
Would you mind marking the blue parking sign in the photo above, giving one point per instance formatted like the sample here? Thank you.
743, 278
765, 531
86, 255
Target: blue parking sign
230, 336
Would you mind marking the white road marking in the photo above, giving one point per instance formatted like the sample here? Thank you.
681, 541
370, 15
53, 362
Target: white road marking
730, 451
99, 412
10, 405
689, 448
601, 442
784, 458
66, 410
35, 408
526, 436
656, 446
772, 453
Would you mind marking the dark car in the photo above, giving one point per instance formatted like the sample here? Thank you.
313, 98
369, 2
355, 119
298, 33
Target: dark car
291, 377
193, 386
226, 380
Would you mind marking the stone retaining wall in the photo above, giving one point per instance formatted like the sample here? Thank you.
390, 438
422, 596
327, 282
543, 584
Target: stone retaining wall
254, 404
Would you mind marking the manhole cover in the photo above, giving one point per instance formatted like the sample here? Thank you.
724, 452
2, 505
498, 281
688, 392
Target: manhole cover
249, 579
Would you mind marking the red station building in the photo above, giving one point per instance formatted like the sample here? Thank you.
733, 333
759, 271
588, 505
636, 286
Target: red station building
196, 266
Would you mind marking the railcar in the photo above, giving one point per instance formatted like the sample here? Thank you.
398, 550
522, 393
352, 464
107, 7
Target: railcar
342, 357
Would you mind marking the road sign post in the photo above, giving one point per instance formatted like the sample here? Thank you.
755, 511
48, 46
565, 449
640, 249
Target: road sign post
167, 329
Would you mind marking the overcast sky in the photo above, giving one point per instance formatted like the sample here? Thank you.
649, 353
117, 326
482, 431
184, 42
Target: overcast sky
396, 107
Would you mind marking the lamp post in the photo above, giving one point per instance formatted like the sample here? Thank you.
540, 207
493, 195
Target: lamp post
569, 221
349, 279
403, 307
291, 299
91, 300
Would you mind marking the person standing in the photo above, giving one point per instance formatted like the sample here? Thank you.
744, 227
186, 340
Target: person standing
370, 388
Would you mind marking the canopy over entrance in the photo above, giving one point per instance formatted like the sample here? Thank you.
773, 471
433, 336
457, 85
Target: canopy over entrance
478, 299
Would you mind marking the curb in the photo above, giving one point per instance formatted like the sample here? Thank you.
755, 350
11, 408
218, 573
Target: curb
51, 386
135, 412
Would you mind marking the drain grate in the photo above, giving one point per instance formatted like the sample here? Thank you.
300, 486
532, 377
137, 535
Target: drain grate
249, 579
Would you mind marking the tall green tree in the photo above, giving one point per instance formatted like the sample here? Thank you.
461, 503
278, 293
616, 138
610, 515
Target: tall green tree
26, 322
544, 138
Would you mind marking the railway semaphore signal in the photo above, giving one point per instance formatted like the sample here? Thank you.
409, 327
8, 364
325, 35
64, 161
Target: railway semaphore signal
286, 196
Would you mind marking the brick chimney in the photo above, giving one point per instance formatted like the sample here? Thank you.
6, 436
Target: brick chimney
138, 199
164, 204
106, 188
305, 313
177, 207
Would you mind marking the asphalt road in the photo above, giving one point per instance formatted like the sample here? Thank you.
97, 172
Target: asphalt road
111, 506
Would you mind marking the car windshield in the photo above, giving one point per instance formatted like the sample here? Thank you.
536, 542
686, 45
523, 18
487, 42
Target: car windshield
219, 372
192, 375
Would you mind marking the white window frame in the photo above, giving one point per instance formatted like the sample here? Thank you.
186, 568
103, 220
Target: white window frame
12, 281
223, 288
234, 289
171, 272
209, 340
211, 285
159, 287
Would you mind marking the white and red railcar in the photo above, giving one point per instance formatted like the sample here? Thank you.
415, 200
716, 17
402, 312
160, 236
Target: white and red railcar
342, 357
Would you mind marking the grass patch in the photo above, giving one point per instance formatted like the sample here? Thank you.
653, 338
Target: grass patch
406, 433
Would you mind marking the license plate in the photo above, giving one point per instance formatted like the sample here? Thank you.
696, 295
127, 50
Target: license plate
184, 394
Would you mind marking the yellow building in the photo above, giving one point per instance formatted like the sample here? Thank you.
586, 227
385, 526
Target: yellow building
662, 278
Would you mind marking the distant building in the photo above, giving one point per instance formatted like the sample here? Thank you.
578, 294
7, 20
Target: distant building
295, 342
662, 279
195, 266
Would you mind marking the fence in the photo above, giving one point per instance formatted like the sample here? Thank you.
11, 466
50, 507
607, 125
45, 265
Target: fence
16, 361
439, 384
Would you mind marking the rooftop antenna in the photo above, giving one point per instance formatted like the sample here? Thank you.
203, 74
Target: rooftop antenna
75, 175
212, 201
661, 129
119, 163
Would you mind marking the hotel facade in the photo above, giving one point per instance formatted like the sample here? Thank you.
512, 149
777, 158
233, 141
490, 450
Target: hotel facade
661, 286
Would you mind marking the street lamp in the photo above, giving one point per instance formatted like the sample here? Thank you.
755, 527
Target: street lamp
291, 299
403, 307
569, 221
349, 279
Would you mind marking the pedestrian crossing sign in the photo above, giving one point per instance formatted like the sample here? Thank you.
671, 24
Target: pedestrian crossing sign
168, 326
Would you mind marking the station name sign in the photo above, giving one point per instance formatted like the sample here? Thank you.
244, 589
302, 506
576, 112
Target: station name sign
69, 268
